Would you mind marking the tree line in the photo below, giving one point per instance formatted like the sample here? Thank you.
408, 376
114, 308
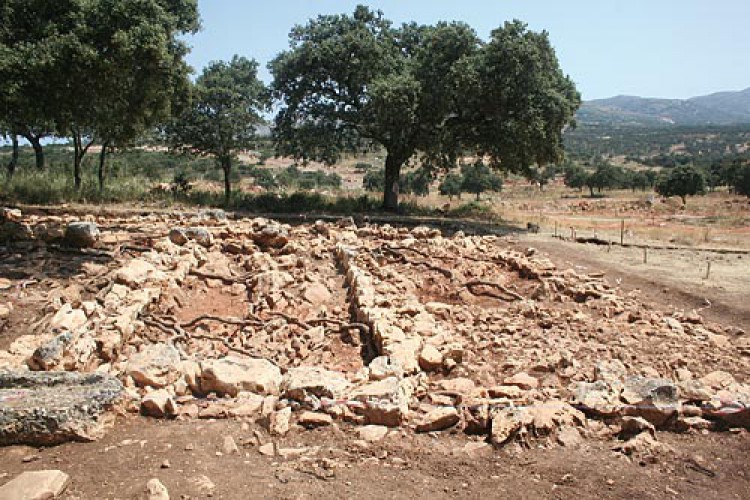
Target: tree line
113, 72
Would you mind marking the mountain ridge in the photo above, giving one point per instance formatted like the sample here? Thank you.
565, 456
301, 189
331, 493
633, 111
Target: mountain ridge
718, 108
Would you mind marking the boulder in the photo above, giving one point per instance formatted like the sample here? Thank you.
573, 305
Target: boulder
523, 380
271, 236
178, 236
430, 359
158, 404
317, 294
233, 374
48, 408
597, 398
299, 383
312, 419
383, 367
438, 419
385, 402
372, 433
200, 235
506, 423
35, 485
81, 234
279, 422
50, 354
656, 400
157, 365
138, 272
155, 490
270, 281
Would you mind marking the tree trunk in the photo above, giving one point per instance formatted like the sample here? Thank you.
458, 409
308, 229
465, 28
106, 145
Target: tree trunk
478, 194
79, 151
36, 143
102, 160
13, 158
226, 165
392, 174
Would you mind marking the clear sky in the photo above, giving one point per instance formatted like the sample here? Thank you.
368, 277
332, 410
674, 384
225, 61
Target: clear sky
651, 48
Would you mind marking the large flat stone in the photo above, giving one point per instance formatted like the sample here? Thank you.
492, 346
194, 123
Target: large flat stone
47, 408
35, 485
234, 374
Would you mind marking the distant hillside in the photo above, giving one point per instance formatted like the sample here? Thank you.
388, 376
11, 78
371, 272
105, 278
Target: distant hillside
723, 108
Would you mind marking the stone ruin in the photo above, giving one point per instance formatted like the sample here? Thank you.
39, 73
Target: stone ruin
202, 316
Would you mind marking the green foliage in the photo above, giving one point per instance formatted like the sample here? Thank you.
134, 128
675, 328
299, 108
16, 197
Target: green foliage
348, 82
576, 176
682, 181
416, 182
293, 177
374, 180
95, 69
742, 182
223, 114
363, 167
478, 178
450, 185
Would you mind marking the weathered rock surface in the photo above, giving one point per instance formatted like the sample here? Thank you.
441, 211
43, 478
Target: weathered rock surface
299, 383
233, 374
44, 408
35, 485
157, 365
81, 234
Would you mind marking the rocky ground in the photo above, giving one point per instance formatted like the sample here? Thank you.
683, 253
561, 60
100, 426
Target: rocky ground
312, 351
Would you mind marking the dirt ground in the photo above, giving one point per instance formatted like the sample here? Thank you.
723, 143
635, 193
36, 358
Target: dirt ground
619, 317
403, 466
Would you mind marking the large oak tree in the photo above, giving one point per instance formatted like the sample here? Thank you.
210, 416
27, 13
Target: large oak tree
436, 91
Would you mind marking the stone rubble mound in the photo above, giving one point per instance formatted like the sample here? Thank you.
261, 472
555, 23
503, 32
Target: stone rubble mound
204, 316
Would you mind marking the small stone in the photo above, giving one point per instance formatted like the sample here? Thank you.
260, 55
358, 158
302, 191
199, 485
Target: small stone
523, 380
372, 433
81, 234
267, 449
166, 464
438, 420
312, 419
158, 404
156, 490
279, 422
36, 485
229, 447
430, 358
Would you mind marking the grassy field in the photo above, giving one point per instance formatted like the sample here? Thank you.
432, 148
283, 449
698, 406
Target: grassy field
276, 185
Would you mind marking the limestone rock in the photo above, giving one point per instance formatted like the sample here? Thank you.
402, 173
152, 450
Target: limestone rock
81, 234
383, 367
438, 419
48, 408
506, 422
200, 235
233, 374
279, 422
178, 236
385, 402
138, 272
522, 380
430, 359
158, 404
312, 419
656, 400
35, 485
157, 365
299, 383
372, 433
155, 490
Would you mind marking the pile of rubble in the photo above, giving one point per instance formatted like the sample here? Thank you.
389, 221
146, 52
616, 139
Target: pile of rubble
201, 316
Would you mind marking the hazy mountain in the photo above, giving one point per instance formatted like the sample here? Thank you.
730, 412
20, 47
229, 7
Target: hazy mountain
722, 108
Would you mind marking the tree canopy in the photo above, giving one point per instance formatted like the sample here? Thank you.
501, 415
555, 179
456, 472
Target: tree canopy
224, 111
439, 91
91, 69
682, 181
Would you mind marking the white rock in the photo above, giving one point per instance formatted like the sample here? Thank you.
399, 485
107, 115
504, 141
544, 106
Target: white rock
36, 485
233, 374
157, 365
156, 490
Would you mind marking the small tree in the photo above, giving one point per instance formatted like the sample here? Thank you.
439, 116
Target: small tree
478, 178
742, 181
416, 182
576, 176
451, 186
682, 181
374, 180
223, 115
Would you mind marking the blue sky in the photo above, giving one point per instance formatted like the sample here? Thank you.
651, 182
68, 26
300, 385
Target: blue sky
652, 48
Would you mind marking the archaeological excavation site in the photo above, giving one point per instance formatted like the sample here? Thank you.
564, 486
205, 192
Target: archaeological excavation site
337, 351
